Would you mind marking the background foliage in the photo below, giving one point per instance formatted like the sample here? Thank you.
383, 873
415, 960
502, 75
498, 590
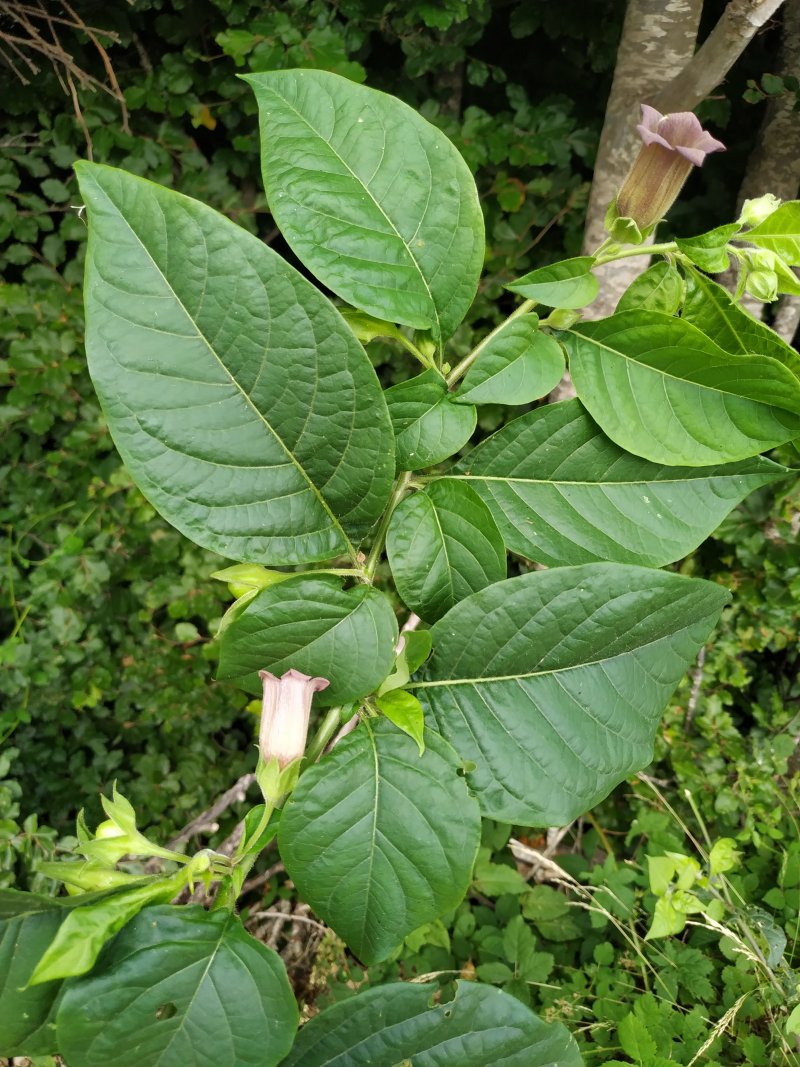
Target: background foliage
107, 613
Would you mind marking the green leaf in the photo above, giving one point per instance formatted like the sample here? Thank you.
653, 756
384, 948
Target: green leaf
220, 370
659, 288
518, 364
667, 920
568, 284
663, 390
405, 711
495, 879
28, 924
562, 492
429, 426
551, 913
660, 870
311, 624
724, 856
379, 840
375, 201
81, 936
495, 972
779, 232
707, 250
179, 986
712, 309
635, 1040
443, 544
399, 1023
418, 645
553, 683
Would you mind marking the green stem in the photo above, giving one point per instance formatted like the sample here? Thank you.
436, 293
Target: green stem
323, 735
415, 352
461, 368
644, 250
400, 489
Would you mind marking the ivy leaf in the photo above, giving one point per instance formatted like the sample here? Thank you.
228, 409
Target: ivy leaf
397, 1023
373, 199
562, 492
780, 233
179, 986
220, 369
518, 364
553, 683
311, 624
663, 390
712, 309
379, 839
707, 250
568, 284
443, 544
429, 426
659, 288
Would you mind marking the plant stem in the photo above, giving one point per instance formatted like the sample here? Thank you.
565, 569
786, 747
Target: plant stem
461, 368
400, 488
646, 250
323, 735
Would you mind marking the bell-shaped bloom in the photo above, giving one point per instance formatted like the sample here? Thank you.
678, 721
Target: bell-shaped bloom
285, 711
671, 146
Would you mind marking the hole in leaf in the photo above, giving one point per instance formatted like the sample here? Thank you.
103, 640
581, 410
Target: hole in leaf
166, 1011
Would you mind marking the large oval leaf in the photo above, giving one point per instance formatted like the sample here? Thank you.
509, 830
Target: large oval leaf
221, 370
518, 364
28, 924
553, 683
562, 492
429, 425
379, 839
443, 544
400, 1023
779, 232
375, 201
179, 987
663, 390
313, 625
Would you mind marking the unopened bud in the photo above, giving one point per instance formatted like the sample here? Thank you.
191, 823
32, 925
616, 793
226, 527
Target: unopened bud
755, 211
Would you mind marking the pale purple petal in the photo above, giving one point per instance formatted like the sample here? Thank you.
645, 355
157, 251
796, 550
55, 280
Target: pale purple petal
681, 129
650, 118
650, 137
694, 155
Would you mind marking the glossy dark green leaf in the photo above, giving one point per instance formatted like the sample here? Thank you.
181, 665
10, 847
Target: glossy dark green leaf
179, 987
221, 370
373, 199
399, 1023
429, 426
28, 923
443, 544
659, 288
562, 492
712, 309
707, 250
379, 839
568, 284
311, 624
779, 232
518, 364
553, 683
663, 390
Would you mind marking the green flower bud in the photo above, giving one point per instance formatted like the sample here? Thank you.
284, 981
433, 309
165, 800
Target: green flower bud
755, 211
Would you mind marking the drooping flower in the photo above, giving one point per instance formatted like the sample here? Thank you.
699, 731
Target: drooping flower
671, 146
285, 710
